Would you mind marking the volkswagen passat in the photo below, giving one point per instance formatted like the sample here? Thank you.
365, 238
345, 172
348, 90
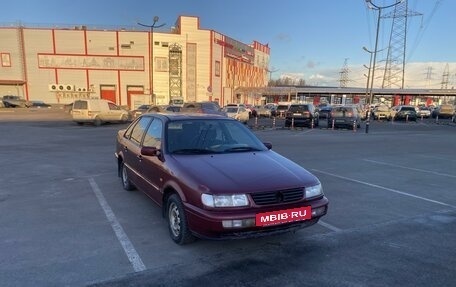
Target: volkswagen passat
198, 169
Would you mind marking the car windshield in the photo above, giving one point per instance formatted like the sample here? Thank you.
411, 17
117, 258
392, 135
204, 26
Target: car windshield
203, 136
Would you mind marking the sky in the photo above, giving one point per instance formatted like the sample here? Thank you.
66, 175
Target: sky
309, 39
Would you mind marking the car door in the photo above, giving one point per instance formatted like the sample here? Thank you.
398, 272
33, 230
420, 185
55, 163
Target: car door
151, 167
114, 113
131, 149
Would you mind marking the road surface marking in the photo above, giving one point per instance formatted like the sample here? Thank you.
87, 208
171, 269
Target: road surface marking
329, 226
128, 247
411, 168
385, 188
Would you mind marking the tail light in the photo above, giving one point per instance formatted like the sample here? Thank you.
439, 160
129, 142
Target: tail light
350, 114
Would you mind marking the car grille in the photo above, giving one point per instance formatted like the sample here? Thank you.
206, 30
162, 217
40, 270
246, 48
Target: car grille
281, 196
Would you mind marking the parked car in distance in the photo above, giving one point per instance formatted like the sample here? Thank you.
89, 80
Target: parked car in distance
444, 111
381, 112
301, 115
10, 101
98, 111
139, 111
164, 109
281, 110
203, 108
263, 111
39, 104
252, 110
404, 112
345, 116
324, 112
238, 113
424, 112
197, 168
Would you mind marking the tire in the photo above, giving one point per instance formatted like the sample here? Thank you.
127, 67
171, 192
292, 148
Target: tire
80, 123
177, 221
97, 121
126, 183
124, 119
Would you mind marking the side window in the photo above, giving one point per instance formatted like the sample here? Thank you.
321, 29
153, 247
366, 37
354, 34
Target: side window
139, 129
113, 107
153, 135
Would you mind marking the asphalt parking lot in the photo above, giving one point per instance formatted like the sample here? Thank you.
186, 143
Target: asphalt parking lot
66, 221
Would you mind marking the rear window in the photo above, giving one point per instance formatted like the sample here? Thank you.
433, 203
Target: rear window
407, 109
80, 105
282, 107
343, 112
299, 109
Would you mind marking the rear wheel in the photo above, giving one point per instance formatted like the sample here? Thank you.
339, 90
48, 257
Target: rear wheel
177, 221
97, 121
126, 183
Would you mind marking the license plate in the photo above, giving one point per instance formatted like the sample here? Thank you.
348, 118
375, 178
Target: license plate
340, 121
283, 216
296, 114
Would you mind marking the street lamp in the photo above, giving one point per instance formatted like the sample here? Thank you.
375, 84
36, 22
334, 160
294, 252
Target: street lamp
374, 53
151, 60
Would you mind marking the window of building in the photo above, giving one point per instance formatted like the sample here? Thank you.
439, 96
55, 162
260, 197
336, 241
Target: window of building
217, 68
6, 59
161, 64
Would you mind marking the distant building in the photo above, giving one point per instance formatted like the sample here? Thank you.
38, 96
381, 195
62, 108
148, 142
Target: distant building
59, 65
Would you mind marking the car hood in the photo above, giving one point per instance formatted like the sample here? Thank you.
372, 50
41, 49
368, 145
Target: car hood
241, 172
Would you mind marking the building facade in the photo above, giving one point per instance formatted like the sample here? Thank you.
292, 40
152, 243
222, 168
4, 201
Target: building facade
128, 66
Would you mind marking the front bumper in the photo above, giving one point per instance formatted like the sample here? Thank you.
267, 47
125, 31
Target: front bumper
209, 224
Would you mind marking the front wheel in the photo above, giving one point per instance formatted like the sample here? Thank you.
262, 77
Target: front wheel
177, 221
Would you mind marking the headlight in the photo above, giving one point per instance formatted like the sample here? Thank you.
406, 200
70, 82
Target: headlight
313, 191
234, 200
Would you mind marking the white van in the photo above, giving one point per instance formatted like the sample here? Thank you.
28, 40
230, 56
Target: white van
98, 111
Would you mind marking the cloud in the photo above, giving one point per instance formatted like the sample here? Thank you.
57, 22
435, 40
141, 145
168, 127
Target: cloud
293, 76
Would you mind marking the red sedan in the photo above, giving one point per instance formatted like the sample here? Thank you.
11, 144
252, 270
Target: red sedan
198, 168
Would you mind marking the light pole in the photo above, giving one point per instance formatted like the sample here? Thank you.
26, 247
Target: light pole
151, 54
369, 72
374, 53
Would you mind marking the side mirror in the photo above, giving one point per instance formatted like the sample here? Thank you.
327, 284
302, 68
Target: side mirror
268, 145
150, 151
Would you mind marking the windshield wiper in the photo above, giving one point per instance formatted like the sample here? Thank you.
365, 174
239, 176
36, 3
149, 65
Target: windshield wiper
192, 151
241, 148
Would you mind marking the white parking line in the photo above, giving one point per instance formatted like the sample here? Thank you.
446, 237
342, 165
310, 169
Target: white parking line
329, 226
128, 247
411, 168
385, 188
